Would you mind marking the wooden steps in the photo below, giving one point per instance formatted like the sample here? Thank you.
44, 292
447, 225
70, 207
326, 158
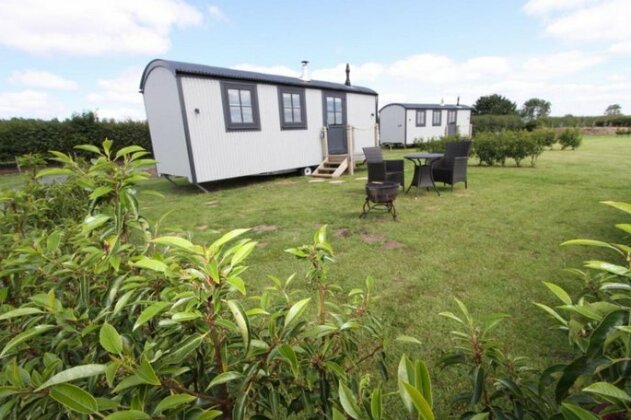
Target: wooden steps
333, 166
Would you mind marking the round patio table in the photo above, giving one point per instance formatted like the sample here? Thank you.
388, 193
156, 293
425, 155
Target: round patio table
423, 177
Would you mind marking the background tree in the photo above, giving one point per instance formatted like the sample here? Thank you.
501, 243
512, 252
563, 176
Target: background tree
494, 104
535, 108
613, 110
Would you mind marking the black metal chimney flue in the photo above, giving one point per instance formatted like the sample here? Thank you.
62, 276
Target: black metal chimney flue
348, 75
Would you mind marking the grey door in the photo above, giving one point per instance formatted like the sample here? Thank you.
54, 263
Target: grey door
452, 128
334, 112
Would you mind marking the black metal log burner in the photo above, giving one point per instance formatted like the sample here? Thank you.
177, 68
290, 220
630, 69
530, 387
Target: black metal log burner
381, 195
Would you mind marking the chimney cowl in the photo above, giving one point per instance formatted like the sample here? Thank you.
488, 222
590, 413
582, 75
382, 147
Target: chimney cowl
305, 76
348, 75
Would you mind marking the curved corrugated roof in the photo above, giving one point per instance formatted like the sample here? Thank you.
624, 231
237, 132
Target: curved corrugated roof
178, 67
430, 106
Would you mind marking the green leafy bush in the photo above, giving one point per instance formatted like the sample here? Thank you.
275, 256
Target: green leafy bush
500, 385
103, 317
437, 145
570, 138
495, 123
21, 136
596, 321
496, 148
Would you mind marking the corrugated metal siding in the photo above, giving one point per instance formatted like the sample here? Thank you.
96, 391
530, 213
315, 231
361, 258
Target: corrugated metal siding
360, 112
427, 132
162, 105
392, 124
464, 123
219, 154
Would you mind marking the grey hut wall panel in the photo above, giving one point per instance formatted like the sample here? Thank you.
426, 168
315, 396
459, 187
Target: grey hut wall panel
164, 115
361, 115
429, 130
392, 124
219, 154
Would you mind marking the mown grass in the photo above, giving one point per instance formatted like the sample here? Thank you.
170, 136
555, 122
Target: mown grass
490, 245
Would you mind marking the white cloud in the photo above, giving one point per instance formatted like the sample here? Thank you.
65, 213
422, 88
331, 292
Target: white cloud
119, 98
216, 14
542, 7
92, 28
30, 104
607, 20
41, 79
559, 64
442, 69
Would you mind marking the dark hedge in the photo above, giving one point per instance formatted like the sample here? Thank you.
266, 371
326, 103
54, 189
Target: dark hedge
19, 136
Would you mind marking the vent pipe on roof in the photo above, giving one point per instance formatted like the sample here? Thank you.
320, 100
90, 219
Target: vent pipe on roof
442, 101
458, 102
348, 75
305, 77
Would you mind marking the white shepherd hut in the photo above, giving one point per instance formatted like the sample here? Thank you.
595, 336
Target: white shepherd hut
404, 123
211, 123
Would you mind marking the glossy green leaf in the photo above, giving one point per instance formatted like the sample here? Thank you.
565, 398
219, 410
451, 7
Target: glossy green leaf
625, 207
478, 376
20, 312
605, 328
54, 172
296, 311
173, 401
424, 382
177, 242
242, 321
552, 312
423, 408
287, 353
574, 412
149, 313
26, 335
74, 398
347, 399
74, 373
93, 222
242, 253
209, 415
146, 373
128, 415
186, 316
151, 264
405, 375
183, 349
237, 283
100, 192
226, 238
559, 292
608, 267
408, 339
128, 150
88, 148
376, 404
110, 340
222, 378
608, 391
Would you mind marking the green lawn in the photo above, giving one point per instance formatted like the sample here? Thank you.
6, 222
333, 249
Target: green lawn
490, 245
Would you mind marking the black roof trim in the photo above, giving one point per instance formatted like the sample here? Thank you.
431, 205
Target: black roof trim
430, 106
178, 67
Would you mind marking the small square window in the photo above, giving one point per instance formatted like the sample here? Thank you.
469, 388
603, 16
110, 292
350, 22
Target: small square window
240, 106
437, 117
291, 102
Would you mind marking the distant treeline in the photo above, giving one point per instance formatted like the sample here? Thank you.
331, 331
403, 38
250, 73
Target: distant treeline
20, 136
494, 123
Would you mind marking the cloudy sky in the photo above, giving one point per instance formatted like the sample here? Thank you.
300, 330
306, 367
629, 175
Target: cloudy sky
65, 56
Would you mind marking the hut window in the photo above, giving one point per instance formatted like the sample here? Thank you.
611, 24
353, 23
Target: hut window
436, 117
240, 106
451, 117
291, 102
420, 118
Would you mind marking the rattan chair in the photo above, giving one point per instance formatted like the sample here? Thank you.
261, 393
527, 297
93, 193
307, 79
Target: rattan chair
452, 168
380, 170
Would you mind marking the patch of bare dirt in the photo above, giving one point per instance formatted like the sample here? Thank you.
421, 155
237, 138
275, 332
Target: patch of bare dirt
262, 244
213, 203
285, 182
264, 228
392, 244
201, 227
371, 238
342, 233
